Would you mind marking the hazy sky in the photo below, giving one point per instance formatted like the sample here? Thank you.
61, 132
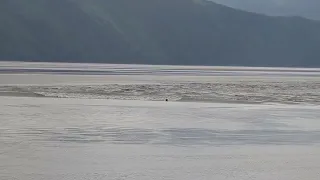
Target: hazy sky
306, 8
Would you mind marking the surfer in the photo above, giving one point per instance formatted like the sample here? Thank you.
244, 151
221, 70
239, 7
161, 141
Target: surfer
167, 100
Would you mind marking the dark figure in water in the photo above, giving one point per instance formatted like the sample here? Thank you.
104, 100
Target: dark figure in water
166, 100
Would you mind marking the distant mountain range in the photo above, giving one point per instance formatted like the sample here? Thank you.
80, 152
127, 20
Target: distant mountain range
185, 32
304, 8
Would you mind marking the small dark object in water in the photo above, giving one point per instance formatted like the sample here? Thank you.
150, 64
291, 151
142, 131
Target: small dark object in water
166, 100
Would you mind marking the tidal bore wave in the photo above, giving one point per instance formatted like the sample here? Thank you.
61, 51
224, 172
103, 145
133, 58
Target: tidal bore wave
266, 92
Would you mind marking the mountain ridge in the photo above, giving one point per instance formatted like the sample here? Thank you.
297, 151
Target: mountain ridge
179, 32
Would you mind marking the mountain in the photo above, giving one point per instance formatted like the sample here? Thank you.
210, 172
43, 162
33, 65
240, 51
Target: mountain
305, 8
187, 32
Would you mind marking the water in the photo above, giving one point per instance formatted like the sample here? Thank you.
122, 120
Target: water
156, 83
73, 125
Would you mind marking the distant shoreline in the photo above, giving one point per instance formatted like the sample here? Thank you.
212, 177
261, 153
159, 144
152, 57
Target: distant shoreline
173, 66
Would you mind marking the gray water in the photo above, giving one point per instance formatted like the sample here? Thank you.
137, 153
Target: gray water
250, 124
156, 83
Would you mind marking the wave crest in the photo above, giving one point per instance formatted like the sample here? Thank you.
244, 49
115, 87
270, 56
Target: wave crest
288, 92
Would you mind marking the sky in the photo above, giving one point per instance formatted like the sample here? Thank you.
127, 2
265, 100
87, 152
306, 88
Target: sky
306, 8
